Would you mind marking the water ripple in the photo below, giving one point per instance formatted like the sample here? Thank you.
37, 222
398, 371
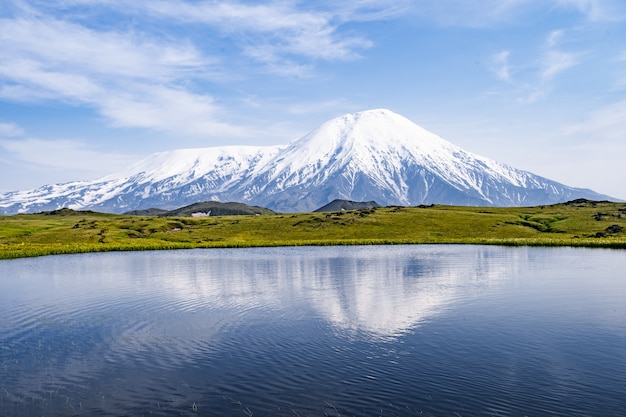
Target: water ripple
392, 331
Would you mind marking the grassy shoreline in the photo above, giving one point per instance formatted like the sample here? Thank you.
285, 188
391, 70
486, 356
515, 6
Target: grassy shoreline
577, 224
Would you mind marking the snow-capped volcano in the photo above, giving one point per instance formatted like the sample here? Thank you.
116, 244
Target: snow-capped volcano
372, 155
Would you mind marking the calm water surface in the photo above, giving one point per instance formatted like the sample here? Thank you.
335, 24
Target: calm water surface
340, 331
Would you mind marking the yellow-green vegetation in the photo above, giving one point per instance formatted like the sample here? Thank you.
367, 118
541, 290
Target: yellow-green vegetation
577, 223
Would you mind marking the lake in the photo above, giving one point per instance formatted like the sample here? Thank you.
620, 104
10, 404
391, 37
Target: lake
434, 330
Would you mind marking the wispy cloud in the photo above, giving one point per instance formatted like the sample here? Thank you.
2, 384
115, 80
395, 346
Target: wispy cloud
167, 108
10, 129
500, 65
554, 38
555, 62
621, 81
488, 13
115, 54
135, 75
606, 124
535, 79
552, 63
597, 10
46, 58
597, 147
368, 10
469, 13
74, 158
277, 29
533, 94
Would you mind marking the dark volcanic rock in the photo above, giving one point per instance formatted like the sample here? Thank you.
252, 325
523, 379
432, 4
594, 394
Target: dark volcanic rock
615, 228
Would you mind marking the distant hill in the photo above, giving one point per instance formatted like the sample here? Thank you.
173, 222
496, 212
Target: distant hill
66, 212
214, 208
338, 205
147, 212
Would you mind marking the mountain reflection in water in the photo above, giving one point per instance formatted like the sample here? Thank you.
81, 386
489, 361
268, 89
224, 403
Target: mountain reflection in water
370, 290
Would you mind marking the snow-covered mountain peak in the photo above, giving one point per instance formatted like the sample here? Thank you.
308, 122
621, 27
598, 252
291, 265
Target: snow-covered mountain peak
353, 135
370, 155
376, 130
193, 162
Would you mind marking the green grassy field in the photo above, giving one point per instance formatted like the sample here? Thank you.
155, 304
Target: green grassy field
579, 223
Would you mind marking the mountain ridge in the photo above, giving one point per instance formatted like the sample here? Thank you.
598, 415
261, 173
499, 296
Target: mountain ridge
371, 155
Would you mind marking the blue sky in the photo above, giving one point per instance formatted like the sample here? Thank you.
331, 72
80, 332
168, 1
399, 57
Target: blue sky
89, 86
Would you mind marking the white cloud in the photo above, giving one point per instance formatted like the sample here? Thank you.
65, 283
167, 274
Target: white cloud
555, 62
470, 13
285, 27
500, 65
59, 43
120, 75
597, 10
168, 109
532, 95
486, 13
606, 124
554, 38
621, 81
269, 32
71, 157
39, 82
144, 77
595, 148
10, 129
535, 80
368, 10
